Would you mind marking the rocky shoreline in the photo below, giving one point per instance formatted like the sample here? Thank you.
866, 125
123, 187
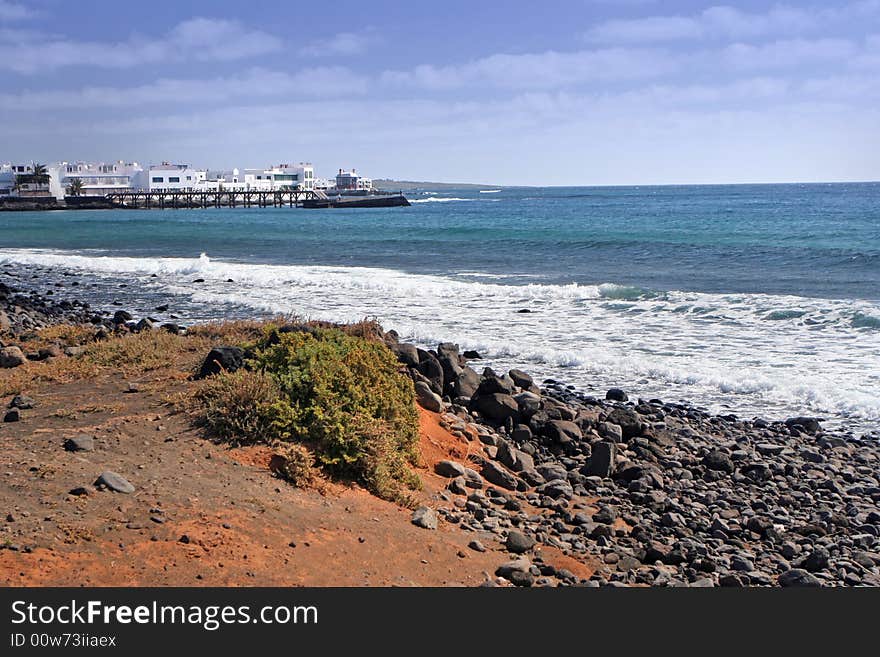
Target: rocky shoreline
657, 493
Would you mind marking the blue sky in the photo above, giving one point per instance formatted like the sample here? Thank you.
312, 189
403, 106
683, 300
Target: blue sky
578, 92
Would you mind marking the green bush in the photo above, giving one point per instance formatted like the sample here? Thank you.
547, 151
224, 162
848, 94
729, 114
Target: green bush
343, 397
235, 406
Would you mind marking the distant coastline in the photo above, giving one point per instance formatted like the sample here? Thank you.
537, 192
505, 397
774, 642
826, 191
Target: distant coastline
407, 185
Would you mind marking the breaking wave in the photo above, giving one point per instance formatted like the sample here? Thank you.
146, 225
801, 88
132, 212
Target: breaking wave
816, 356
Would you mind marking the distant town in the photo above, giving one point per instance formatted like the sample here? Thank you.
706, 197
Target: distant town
99, 179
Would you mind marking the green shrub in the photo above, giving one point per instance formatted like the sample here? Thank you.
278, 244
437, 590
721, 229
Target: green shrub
235, 406
340, 395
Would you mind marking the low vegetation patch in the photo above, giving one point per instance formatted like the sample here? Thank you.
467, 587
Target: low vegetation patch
335, 393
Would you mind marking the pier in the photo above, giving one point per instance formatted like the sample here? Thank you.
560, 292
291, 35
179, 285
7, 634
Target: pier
214, 199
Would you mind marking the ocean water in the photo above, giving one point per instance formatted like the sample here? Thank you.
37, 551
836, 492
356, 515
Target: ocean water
759, 300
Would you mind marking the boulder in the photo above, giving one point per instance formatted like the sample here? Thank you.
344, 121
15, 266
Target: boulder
798, 577
513, 458
506, 569
12, 415
809, 424
427, 398
52, 351
616, 394
11, 357
628, 421
556, 489
114, 482
718, 461
425, 517
221, 359
610, 431
432, 370
465, 382
518, 543
529, 403
562, 431
496, 474
495, 407
143, 325
491, 383
602, 461
521, 379
122, 316
406, 354
449, 469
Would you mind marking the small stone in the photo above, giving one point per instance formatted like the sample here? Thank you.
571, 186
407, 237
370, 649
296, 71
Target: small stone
133, 387
425, 517
477, 546
22, 402
12, 415
82, 443
80, 491
114, 482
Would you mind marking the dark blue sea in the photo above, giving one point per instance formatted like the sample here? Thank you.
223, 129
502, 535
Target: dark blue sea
751, 299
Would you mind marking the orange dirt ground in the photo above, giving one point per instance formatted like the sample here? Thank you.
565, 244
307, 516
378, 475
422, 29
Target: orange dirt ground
206, 514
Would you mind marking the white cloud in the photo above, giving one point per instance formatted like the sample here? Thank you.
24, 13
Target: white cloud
344, 43
318, 82
197, 39
540, 70
726, 22
13, 11
788, 54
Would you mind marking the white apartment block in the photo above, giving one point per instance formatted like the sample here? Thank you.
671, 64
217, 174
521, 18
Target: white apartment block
101, 178
281, 177
167, 177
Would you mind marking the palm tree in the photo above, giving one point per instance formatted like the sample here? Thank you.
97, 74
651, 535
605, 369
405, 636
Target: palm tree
75, 188
40, 173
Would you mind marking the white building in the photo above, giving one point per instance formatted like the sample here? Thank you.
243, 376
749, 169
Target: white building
100, 178
351, 181
167, 177
279, 178
219, 180
323, 184
11, 185
7, 179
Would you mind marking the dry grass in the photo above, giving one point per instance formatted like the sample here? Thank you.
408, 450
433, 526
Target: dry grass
56, 370
150, 350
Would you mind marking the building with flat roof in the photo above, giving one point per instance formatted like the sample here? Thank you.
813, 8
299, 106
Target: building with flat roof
351, 181
100, 178
280, 178
167, 177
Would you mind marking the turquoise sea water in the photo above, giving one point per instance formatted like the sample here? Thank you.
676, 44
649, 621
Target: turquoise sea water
760, 299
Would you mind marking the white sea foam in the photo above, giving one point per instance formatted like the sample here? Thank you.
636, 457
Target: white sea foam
768, 354
489, 191
440, 199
